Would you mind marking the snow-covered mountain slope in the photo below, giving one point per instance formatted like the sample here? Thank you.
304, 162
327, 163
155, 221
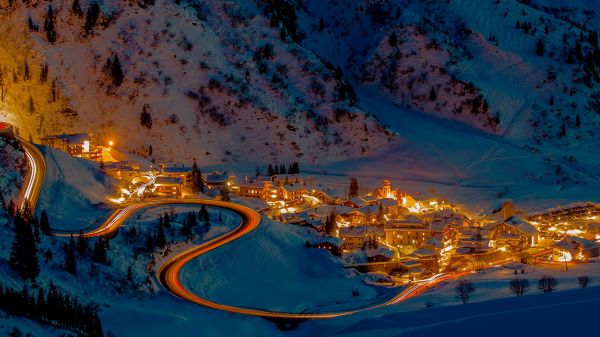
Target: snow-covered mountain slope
75, 193
490, 45
218, 83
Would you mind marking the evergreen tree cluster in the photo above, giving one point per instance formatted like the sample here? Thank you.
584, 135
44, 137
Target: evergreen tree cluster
112, 69
23, 255
282, 15
331, 224
274, 169
197, 180
49, 27
345, 91
100, 251
353, 191
91, 17
54, 307
145, 117
190, 224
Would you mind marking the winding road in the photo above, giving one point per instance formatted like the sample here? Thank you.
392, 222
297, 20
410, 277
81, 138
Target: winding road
169, 272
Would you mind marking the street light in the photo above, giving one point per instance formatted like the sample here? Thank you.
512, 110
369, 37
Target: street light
110, 143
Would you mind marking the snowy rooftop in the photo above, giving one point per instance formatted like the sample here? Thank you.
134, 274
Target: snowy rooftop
162, 180
517, 223
572, 243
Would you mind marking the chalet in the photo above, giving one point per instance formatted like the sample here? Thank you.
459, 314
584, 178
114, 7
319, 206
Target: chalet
218, 179
391, 208
514, 233
575, 248
261, 189
354, 237
362, 201
407, 234
434, 245
331, 244
352, 217
122, 170
380, 254
327, 195
370, 212
183, 173
77, 145
168, 186
291, 194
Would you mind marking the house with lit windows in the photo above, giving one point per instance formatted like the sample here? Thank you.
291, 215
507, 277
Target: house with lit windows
77, 145
407, 234
513, 234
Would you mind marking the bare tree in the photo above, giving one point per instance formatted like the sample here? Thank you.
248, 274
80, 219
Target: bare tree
583, 281
518, 285
464, 290
547, 284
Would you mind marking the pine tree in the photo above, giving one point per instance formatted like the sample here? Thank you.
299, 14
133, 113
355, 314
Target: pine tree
82, 245
197, 180
353, 187
206, 219
44, 73
23, 256
91, 16
99, 253
49, 26
70, 261
577, 121
563, 130
44, 223
167, 220
393, 40
26, 73
145, 118
331, 224
432, 94
32, 26
270, 170
539, 48
76, 8
116, 74
160, 239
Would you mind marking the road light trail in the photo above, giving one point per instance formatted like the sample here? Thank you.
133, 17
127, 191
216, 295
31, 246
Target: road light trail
35, 177
169, 273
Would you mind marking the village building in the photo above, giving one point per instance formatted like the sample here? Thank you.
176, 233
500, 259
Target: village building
351, 218
122, 170
361, 201
513, 233
77, 145
391, 208
257, 189
218, 179
327, 195
370, 213
573, 248
407, 234
332, 244
183, 173
291, 194
168, 186
379, 254
354, 237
